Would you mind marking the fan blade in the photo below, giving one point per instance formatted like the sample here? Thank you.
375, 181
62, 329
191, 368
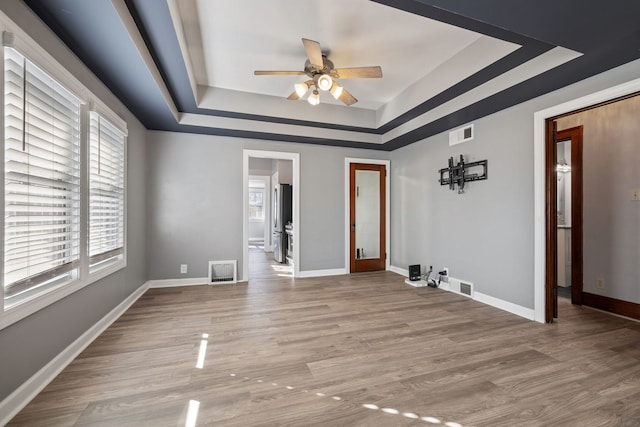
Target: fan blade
357, 73
347, 98
276, 73
313, 52
294, 96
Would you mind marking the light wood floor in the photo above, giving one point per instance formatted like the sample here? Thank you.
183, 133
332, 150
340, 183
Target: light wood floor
357, 350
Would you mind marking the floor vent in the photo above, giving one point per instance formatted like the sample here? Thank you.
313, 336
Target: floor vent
221, 272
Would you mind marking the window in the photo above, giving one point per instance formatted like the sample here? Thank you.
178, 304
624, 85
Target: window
106, 191
41, 180
256, 203
64, 183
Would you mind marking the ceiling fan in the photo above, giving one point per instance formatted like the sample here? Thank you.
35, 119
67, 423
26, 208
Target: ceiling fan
322, 76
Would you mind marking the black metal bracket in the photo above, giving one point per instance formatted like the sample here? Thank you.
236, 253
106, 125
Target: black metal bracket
459, 174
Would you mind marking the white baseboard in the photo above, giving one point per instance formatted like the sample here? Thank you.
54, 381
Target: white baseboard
398, 270
516, 309
445, 287
24, 394
322, 273
170, 283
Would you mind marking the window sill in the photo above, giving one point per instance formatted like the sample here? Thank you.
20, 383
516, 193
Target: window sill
38, 302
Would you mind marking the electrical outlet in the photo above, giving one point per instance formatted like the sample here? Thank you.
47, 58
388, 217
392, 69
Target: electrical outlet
600, 283
446, 269
635, 194
183, 268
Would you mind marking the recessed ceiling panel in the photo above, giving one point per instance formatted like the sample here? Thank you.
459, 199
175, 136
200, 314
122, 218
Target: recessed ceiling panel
238, 37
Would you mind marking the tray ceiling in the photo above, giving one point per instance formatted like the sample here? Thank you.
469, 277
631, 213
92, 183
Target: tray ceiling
187, 65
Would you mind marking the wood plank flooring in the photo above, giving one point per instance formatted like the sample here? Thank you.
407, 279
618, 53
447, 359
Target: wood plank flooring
357, 350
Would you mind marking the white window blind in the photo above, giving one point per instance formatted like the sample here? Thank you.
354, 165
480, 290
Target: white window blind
42, 178
106, 189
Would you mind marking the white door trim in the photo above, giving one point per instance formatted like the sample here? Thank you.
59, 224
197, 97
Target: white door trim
347, 201
539, 136
278, 155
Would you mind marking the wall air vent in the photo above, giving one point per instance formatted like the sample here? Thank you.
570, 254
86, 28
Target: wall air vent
461, 135
221, 272
465, 288
460, 287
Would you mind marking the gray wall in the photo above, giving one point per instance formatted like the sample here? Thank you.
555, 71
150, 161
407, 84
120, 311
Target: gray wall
485, 235
259, 166
195, 195
611, 220
32, 342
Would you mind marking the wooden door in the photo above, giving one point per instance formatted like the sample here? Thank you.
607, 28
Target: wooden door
367, 217
551, 290
551, 298
573, 136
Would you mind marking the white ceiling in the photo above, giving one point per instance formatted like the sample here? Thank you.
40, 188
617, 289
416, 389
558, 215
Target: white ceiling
228, 39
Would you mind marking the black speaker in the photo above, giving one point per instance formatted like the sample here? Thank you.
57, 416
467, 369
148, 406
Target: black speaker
414, 272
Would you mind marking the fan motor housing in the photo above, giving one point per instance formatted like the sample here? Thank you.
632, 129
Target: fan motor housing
311, 70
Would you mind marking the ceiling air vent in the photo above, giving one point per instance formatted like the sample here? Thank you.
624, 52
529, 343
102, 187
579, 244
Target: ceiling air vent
461, 135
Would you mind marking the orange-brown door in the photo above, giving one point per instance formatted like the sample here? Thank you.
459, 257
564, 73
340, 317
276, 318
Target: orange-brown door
367, 217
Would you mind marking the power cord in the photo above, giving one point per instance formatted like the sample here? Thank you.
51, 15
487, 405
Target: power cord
431, 282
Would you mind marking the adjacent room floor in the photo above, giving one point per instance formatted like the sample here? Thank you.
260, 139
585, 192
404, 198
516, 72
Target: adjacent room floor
357, 350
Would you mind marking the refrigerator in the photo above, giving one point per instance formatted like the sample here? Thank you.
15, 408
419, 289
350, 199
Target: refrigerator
282, 214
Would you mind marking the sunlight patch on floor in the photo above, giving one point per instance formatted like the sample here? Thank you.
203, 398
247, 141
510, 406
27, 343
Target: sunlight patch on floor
371, 406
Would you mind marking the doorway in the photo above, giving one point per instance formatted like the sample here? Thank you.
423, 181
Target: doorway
270, 156
564, 230
366, 215
541, 211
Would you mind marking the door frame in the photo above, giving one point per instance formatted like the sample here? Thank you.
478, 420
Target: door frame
347, 211
276, 155
539, 154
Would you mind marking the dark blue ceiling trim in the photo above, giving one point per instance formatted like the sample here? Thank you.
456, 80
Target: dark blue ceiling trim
499, 67
427, 10
94, 32
580, 25
557, 78
273, 137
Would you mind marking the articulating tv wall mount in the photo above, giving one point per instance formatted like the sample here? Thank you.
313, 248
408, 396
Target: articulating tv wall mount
459, 174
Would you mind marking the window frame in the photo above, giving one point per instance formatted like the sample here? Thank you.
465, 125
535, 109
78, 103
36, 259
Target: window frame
13, 36
262, 191
110, 265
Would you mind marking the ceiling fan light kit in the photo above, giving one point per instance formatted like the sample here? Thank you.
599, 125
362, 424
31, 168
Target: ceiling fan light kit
301, 89
323, 74
324, 82
314, 98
